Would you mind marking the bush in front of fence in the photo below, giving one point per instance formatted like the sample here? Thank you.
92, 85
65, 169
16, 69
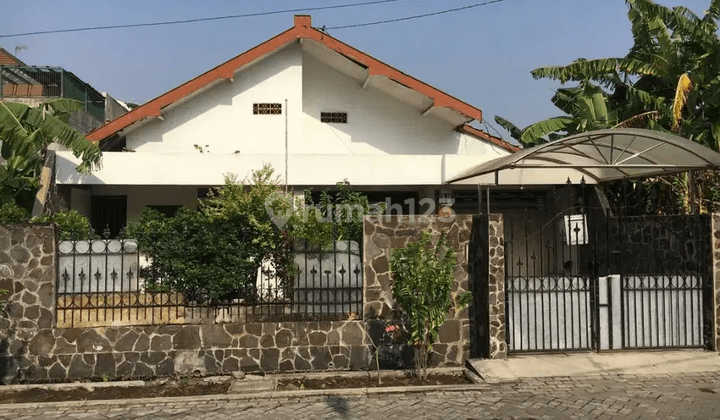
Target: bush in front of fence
71, 224
422, 286
205, 258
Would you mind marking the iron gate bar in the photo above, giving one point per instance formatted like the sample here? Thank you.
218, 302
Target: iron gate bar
670, 269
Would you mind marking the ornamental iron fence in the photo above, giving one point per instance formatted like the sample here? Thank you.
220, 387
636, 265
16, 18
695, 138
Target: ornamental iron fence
100, 282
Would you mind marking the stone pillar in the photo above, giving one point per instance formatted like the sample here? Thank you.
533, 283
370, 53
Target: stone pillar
387, 233
715, 250
27, 271
496, 286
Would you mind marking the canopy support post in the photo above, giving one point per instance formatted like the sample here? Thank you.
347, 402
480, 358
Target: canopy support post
691, 192
479, 202
487, 197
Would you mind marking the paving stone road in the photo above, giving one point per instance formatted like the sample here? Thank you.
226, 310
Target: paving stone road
628, 396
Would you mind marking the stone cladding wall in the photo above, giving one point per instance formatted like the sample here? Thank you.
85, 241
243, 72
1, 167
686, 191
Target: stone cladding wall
385, 233
496, 286
32, 349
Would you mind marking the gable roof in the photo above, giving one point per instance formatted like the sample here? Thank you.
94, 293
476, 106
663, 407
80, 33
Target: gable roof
301, 30
7, 59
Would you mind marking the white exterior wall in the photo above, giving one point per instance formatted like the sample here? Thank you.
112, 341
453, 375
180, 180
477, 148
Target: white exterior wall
377, 122
222, 115
322, 170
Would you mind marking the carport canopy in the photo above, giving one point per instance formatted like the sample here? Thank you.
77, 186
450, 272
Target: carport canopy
595, 156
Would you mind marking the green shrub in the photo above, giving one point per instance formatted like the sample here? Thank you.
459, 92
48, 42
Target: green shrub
207, 258
10, 214
422, 286
213, 254
337, 216
72, 225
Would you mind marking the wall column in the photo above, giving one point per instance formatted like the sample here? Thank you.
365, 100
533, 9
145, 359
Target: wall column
496, 286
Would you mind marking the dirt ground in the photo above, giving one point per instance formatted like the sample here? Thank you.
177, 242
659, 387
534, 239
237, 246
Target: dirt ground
169, 388
178, 387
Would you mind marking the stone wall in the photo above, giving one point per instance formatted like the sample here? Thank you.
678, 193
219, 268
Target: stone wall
487, 278
496, 286
389, 232
27, 271
33, 349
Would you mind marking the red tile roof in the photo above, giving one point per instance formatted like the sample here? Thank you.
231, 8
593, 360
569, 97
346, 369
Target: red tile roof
492, 139
301, 30
7, 59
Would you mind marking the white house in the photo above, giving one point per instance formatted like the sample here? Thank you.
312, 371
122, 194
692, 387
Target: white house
315, 108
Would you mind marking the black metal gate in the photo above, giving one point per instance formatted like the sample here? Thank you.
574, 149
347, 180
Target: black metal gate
577, 279
664, 268
550, 283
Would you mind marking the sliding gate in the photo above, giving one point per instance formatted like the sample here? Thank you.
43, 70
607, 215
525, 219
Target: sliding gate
586, 282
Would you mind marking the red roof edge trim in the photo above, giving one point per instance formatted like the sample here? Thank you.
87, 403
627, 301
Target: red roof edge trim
492, 139
223, 71
378, 68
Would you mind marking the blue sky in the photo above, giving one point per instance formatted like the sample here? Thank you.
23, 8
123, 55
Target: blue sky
483, 55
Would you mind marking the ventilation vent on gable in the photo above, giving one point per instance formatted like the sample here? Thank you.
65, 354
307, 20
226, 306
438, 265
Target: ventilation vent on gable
260, 109
333, 117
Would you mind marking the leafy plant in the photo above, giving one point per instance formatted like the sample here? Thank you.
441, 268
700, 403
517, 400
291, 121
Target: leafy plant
668, 81
205, 258
422, 286
11, 213
213, 254
338, 215
72, 225
25, 134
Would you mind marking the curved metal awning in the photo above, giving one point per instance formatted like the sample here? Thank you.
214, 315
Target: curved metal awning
596, 156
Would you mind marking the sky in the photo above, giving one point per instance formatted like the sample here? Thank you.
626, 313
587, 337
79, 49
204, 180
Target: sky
482, 55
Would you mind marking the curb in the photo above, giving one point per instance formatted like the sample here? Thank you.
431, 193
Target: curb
478, 385
349, 392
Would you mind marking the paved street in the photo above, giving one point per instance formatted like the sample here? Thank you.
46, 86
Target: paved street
654, 397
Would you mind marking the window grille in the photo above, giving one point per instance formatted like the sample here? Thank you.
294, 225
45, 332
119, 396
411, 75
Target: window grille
333, 117
265, 109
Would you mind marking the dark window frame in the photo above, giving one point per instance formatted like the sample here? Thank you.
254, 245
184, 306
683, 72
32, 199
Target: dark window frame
334, 117
108, 212
267, 108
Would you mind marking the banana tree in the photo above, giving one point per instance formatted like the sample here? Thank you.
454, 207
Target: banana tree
586, 108
25, 134
669, 80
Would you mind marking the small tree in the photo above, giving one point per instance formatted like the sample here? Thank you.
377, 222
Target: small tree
422, 286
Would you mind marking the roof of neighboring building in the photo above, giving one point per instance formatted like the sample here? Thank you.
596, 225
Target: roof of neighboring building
468, 129
301, 30
7, 59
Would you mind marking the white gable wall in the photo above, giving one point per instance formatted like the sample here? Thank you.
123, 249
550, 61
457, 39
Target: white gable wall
221, 117
377, 122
